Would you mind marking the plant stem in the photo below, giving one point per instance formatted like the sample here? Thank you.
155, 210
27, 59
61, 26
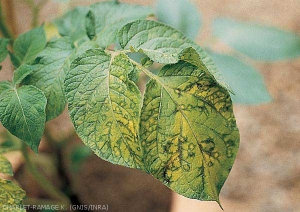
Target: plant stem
3, 27
51, 190
116, 1
35, 9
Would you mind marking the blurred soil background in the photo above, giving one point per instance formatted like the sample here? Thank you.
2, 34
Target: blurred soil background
266, 174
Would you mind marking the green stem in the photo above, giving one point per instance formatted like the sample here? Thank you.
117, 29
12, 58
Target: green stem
35, 9
3, 27
116, 1
51, 190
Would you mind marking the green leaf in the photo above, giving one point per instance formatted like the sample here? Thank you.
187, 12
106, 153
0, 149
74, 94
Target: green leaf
49, 74
28, 45
104, 106
10, 145
22, 112
3, 48
4, 85
257, 41
20, 73
246, 82
180, 14
82, 48
90, 25
11, 195
162, 44
72, 24
14, 60
5, 166
111, 17
188, 131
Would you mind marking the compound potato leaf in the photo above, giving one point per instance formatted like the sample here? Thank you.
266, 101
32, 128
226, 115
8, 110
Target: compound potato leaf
49, 73
180, 14
104, 106
22, 112
28, 45
162, 44
257, 41
3, 48
5, 166
188, 131
245, 80
11, 196
111, 17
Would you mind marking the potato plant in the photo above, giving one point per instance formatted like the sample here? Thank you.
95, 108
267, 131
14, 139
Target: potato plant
181, 129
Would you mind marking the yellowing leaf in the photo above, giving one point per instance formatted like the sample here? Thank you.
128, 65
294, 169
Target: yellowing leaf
188, 130
51, 31
11, 196
163, 44
5, 166
104, 106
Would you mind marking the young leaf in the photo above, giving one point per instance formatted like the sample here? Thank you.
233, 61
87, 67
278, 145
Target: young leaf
188, 131
257, 41
110, 17
20, 73
162, 44
104, 106
11, 195
90, 25
246, 82
72, 24
22, 112
5, 166
3, 48
180, 14
49, 73
28, 45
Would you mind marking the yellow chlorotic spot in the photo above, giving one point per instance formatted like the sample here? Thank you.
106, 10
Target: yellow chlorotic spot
117, 151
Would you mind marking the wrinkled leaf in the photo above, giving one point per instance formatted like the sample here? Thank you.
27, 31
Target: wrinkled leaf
5, 166
49, 73
111, 17
90, 44
246, 82
28, 45
257, 41
162, 44
20, 73
72, 24
11, 195
22, 112
3, 48
188, 131
180, 14
104, 106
